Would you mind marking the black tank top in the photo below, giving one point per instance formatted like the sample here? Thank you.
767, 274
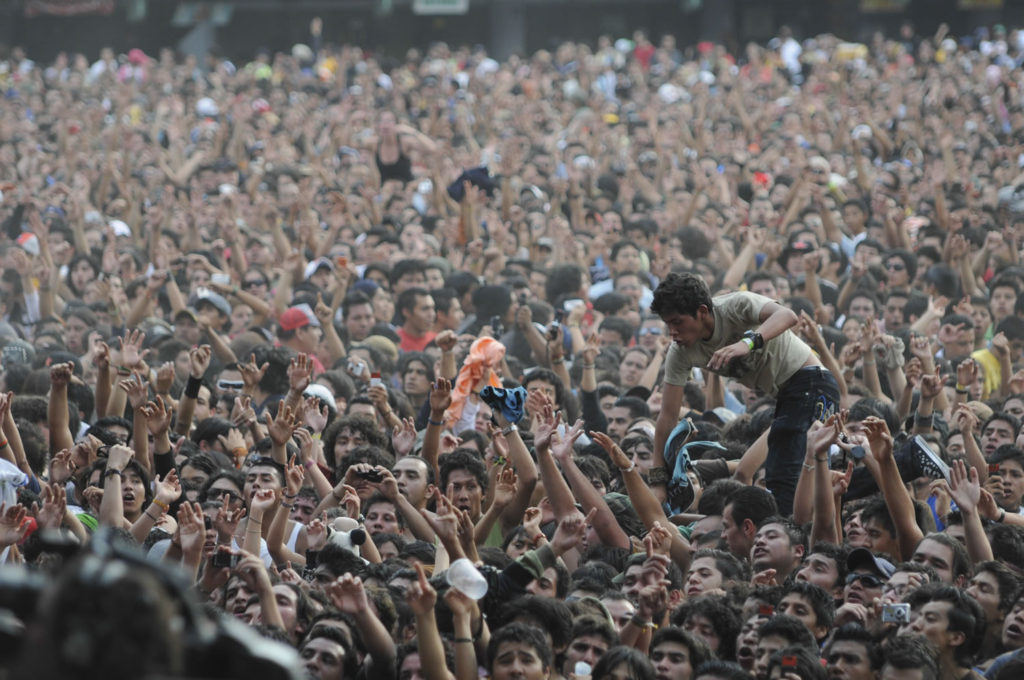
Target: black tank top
400, 170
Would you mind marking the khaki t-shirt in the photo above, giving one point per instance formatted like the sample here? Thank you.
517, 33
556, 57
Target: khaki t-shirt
766, 369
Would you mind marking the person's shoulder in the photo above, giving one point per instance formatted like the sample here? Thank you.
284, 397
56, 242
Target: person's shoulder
740, 297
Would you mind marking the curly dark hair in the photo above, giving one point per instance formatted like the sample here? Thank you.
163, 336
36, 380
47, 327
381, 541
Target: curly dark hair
683, 294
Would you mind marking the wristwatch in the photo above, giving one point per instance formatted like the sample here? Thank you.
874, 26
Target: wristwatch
510, 429
756, 341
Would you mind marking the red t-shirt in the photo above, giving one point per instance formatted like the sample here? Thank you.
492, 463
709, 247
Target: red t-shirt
411, 343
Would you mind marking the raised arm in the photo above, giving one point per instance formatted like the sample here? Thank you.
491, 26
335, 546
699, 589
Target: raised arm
57, 417
965, 490
422, 597
604, 522
198, 363
647, 506
887, 476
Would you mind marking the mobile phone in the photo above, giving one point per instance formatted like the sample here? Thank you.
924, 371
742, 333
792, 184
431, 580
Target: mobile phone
766, 610
223, 559
993, 468
789, 661
375, 380
572, 304
495, 325
220, 279
371, 476
898, 612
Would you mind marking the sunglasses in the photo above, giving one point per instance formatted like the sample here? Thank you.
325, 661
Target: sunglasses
253, 283
214, 494
650, 331
895, 266
869, 580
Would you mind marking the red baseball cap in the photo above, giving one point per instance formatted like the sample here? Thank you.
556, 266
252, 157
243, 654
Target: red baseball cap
297, 317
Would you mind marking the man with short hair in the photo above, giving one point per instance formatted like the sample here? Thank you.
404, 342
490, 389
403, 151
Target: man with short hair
623, 412
953, 622
853, 654
811, 604
779, 545
591, 637
416, 307
327, 655
357, 315
747, 507
909, 657
776, 634
746, 337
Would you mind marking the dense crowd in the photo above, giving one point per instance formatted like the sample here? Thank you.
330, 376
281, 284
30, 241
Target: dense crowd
614, 361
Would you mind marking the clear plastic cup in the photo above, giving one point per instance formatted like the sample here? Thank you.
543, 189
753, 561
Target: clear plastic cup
465, 577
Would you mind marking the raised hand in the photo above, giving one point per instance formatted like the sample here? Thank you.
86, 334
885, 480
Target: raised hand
199, 361
440, 395
967, 372
420, 595
570, 531
55, 505
164, 378
348, 594
965, 419
446, 340
281, 427
293, 477
545, 425
659, 540
531, 522
252, 571
191, 528
444, 522
403, 438
931, 385
131, 349
316, 533
262, 502
964, 487
225, 522
300, 373
136, 389
101, 355
878, 438
14, 524
378, 394
60, 374
118, 456
323, 313
251, 374
61, 466
314, 415
618, 456
821, 436
504, 488
1000, 346
563, 449
242, 413
168, 489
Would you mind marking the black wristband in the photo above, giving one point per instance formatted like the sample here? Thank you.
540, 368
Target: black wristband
192, 387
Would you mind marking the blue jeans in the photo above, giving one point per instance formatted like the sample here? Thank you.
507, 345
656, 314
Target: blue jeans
811, 394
